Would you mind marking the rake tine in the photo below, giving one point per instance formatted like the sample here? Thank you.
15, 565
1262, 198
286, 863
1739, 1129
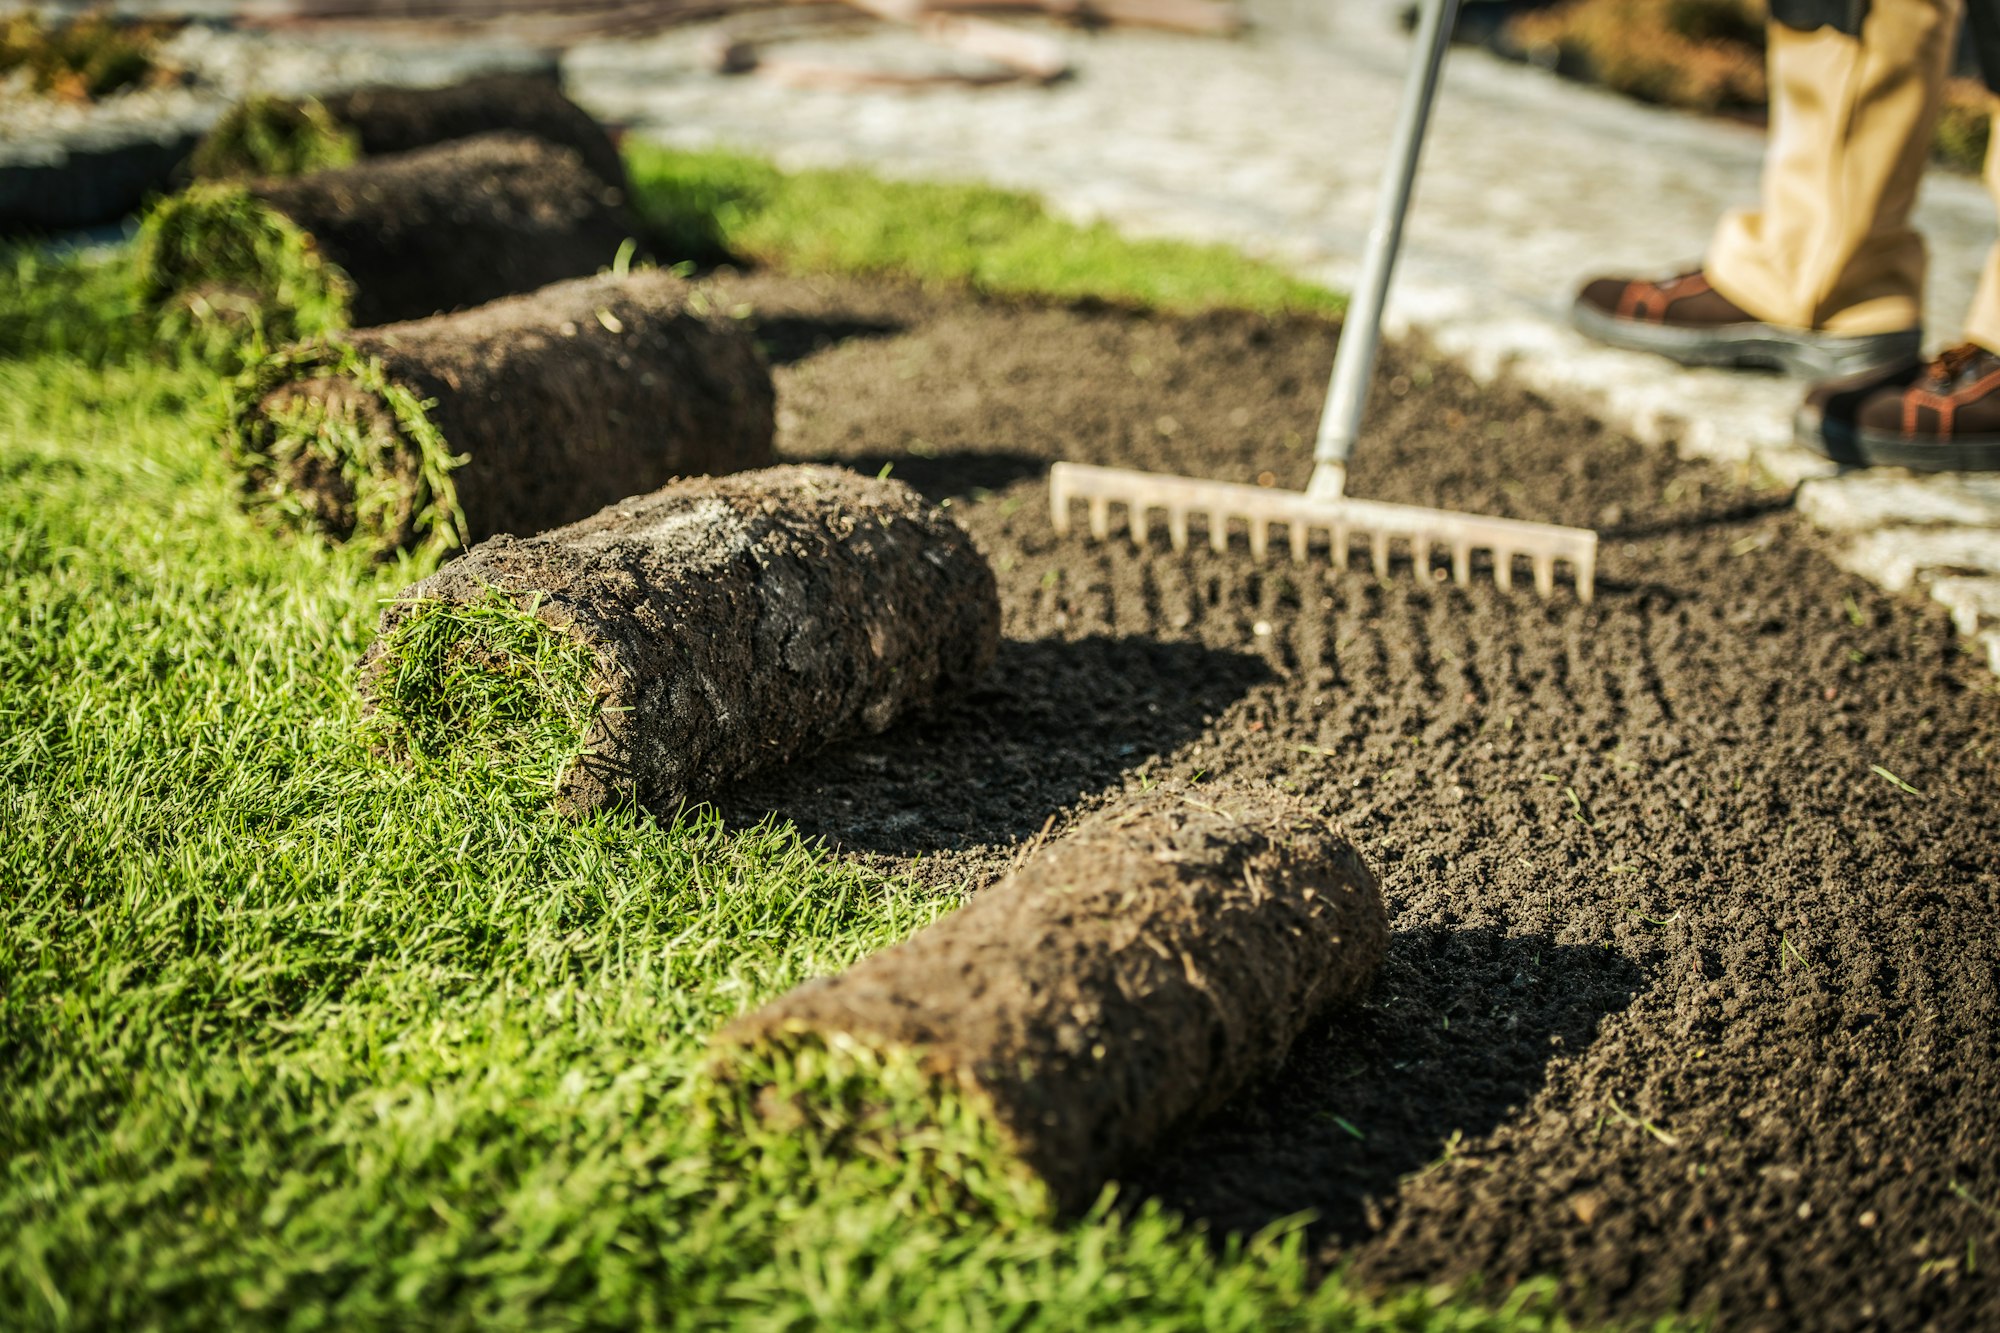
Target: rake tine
1430, 536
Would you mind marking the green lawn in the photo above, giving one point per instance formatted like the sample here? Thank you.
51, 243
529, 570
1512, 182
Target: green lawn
712, 204
293, 1035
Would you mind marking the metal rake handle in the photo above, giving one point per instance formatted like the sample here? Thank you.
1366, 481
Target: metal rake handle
1361, 331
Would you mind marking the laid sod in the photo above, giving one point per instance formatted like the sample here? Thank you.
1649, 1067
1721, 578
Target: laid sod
719, 204
516, 416
287, 136
733, 623
297, 1035
1122, 982
386, 239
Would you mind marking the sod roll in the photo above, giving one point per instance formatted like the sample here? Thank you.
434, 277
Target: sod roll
283, 136
268, 134
515, 416
729, 624
386, 239
1119, 984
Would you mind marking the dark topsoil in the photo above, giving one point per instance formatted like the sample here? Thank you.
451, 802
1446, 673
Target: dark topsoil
1684, 1002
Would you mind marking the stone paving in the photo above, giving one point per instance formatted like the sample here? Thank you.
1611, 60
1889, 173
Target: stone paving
1273, 143
217, 65
66, 165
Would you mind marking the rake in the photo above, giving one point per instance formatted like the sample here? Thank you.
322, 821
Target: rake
1324, 508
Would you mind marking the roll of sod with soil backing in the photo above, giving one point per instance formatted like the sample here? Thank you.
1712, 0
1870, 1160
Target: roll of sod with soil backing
515, 416
284, 136
387, 239
679, 640
1119, 984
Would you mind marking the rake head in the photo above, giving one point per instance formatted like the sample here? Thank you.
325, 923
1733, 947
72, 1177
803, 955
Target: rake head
1222, 507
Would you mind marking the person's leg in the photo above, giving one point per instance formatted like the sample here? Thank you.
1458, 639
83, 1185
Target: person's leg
1830, 246
1982, 322
1943, 415
1825, 277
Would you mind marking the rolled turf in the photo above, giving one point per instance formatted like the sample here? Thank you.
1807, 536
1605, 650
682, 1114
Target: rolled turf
728, 623
286, 136
386, 239
1119, 984
515, 416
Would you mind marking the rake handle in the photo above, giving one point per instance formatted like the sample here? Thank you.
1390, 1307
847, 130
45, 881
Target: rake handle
1361, 330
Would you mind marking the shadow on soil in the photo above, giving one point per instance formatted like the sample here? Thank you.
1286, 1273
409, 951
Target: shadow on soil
947, 475
787, 339
1733, 515
1055, 720
1456, 1037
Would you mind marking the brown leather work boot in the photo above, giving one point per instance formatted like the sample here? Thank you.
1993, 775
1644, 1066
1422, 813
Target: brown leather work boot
1687, 320
1937, 416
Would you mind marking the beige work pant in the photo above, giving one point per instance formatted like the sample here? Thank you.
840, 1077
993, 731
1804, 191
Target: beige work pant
1830, 246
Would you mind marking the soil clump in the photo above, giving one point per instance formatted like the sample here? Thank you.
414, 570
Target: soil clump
1685, 1003
737, 622
1122, 981
543, 409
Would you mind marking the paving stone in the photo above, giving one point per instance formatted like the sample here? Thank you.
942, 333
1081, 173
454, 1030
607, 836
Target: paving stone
1895, 558
67, 165
1857, 501
1974, 602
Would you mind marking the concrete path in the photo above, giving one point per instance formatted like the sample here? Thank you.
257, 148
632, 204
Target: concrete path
1273, 144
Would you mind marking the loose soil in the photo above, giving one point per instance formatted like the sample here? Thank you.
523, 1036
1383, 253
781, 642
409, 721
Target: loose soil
1686, 1001
1125, 980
